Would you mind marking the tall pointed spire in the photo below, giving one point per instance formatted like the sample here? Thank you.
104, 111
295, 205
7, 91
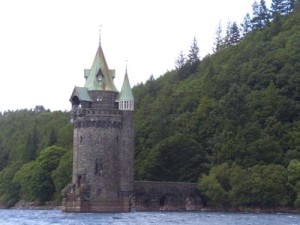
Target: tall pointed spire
99, 77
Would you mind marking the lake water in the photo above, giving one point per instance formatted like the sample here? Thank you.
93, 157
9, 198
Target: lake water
56, 217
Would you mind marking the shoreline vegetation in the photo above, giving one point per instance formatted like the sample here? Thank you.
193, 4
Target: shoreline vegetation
35, 206
22, 205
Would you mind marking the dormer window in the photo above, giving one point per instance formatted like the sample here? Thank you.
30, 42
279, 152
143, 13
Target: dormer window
99, 76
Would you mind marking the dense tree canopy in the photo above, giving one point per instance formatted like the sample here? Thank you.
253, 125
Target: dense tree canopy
230, 120
32, 142
240, 108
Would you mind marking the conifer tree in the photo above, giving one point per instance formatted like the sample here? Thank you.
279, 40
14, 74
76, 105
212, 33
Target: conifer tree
235, 33
181, 66
180, 61
193, 56
256, 22
276, 6
276, 25
52, 138
260, 15
246, 25
186, 66
232, 34
264, 13
3, 157
280, 6
218, 39
291, 5
31, 146
227, 36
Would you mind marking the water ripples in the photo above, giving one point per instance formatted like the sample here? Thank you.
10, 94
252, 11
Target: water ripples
55, 217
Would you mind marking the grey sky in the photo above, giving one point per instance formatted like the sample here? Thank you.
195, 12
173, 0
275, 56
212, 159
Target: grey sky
46, 44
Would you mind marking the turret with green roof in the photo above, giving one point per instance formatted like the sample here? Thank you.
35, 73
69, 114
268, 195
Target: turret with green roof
125, 97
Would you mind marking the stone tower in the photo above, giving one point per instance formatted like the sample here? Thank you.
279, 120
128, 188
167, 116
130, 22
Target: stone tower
103, 143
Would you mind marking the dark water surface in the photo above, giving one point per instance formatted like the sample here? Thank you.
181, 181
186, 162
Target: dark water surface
56, 217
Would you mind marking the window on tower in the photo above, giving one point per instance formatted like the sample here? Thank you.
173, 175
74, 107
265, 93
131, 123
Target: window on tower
98, 167
99, 76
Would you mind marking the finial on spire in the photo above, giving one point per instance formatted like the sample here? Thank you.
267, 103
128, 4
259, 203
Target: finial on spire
126, 66
100, 35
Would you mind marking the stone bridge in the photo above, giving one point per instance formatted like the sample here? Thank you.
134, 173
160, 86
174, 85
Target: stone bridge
168, 196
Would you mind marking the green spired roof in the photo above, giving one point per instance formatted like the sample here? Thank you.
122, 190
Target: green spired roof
126, 93
99, 77
82, 94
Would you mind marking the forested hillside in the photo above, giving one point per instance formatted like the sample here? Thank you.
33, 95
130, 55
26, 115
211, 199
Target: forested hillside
229, 121
35, 155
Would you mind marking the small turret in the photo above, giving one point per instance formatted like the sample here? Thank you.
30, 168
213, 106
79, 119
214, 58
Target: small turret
125, 98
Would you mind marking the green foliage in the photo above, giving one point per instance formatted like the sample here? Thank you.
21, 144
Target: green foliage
263, 186
232, 34
240, 108
35, 178
246, 25
177, 158
62, 175
214, 192
281, 7
42, 184
233, 115
26, 164
24, 178
31, 146
9, 190
215, 186
260, 15
258, 186
293, 171
186, 66
52, 138
3, 157
218, 38
24, 133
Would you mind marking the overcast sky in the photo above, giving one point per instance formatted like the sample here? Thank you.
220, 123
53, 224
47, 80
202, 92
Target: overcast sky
46, 45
